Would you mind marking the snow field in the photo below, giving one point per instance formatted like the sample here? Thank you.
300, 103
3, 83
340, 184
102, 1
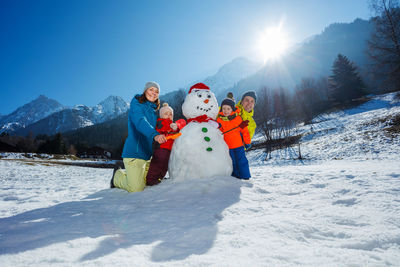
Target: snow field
334, 213
26, 186
338, 207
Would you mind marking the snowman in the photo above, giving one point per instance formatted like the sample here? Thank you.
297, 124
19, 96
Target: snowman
201, 150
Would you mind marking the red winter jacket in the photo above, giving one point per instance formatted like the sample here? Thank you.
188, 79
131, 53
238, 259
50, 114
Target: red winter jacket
163, 127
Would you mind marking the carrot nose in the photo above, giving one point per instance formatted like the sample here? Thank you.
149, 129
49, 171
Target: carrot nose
206, 101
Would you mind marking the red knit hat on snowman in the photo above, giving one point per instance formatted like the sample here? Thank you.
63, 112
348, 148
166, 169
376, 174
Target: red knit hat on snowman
199, 86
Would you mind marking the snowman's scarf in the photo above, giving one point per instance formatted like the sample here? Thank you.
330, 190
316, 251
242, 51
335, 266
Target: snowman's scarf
202, 118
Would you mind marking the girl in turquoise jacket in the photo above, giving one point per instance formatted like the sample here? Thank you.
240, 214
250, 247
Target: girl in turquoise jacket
138, 150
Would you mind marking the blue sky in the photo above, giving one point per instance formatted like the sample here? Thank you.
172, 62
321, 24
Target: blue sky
80, 52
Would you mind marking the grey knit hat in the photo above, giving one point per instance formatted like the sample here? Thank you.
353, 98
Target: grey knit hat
151, 84
251, 94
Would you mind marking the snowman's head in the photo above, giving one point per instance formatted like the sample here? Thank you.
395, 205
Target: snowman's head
200, 101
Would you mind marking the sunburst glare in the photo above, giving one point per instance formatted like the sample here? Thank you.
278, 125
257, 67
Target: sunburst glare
272, 43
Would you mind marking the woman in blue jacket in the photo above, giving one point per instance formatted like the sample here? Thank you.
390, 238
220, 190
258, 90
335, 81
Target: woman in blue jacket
138, 149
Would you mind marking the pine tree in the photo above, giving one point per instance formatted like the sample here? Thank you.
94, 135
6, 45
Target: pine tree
58, 145
55, 145
384, 44
345, 82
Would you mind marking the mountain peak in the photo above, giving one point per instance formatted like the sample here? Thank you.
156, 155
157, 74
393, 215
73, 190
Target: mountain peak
112, 98
239, 62
29, 113
232, 72
110, 107
42, 97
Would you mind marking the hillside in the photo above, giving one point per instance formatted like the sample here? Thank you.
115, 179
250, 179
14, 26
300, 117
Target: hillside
109, 135
359, 133
313, 58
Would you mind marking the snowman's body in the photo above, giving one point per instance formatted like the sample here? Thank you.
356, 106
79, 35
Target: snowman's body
201, 150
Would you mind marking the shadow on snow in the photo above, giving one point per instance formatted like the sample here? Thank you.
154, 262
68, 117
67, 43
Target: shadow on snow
181, 216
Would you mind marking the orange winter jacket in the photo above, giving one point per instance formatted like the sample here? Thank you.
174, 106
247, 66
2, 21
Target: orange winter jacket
237, 136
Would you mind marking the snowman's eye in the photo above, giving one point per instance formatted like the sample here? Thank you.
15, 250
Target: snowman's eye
199, 95
209, 96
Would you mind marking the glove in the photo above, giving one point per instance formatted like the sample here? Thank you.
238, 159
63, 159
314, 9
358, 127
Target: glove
173, 126
243, 124
213, 124
247, 146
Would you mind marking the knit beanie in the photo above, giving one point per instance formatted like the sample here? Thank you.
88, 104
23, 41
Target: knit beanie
251, 94
164, 108
151, 84
199, 86
229, 101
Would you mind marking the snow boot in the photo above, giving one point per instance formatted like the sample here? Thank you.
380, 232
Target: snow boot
118, 165
112, 178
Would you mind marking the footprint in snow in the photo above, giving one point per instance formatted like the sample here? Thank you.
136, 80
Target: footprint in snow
346, 202
319, 185
394, 175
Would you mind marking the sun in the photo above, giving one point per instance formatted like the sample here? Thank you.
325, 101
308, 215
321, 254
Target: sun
272, 43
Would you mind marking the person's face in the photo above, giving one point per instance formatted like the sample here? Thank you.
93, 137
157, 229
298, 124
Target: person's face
151, 94
167, 115
226, 110
248, 103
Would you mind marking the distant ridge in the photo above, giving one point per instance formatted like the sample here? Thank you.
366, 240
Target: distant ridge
77, 117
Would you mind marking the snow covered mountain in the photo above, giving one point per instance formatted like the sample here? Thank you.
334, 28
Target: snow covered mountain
109, 108
221, 82
29, 113
231, 73
77, 117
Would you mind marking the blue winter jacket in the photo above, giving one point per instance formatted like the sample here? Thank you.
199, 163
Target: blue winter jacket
142, 121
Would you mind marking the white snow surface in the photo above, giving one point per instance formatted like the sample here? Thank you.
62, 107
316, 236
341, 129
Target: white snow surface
338, 207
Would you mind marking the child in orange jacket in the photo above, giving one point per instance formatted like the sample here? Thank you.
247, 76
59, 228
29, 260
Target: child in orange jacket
159, 162
236, 136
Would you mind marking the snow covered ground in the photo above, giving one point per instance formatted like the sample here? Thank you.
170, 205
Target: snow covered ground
338, 207
357, 133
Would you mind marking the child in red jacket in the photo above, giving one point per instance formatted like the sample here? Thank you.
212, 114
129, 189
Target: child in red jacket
159, 162
236, 136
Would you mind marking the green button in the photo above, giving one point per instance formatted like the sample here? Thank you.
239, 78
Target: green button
207, 138
204, 129
209, 149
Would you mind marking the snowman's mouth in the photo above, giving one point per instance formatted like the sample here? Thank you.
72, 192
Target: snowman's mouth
205, 109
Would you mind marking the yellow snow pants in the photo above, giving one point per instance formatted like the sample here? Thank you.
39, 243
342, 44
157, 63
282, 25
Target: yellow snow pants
133, 178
